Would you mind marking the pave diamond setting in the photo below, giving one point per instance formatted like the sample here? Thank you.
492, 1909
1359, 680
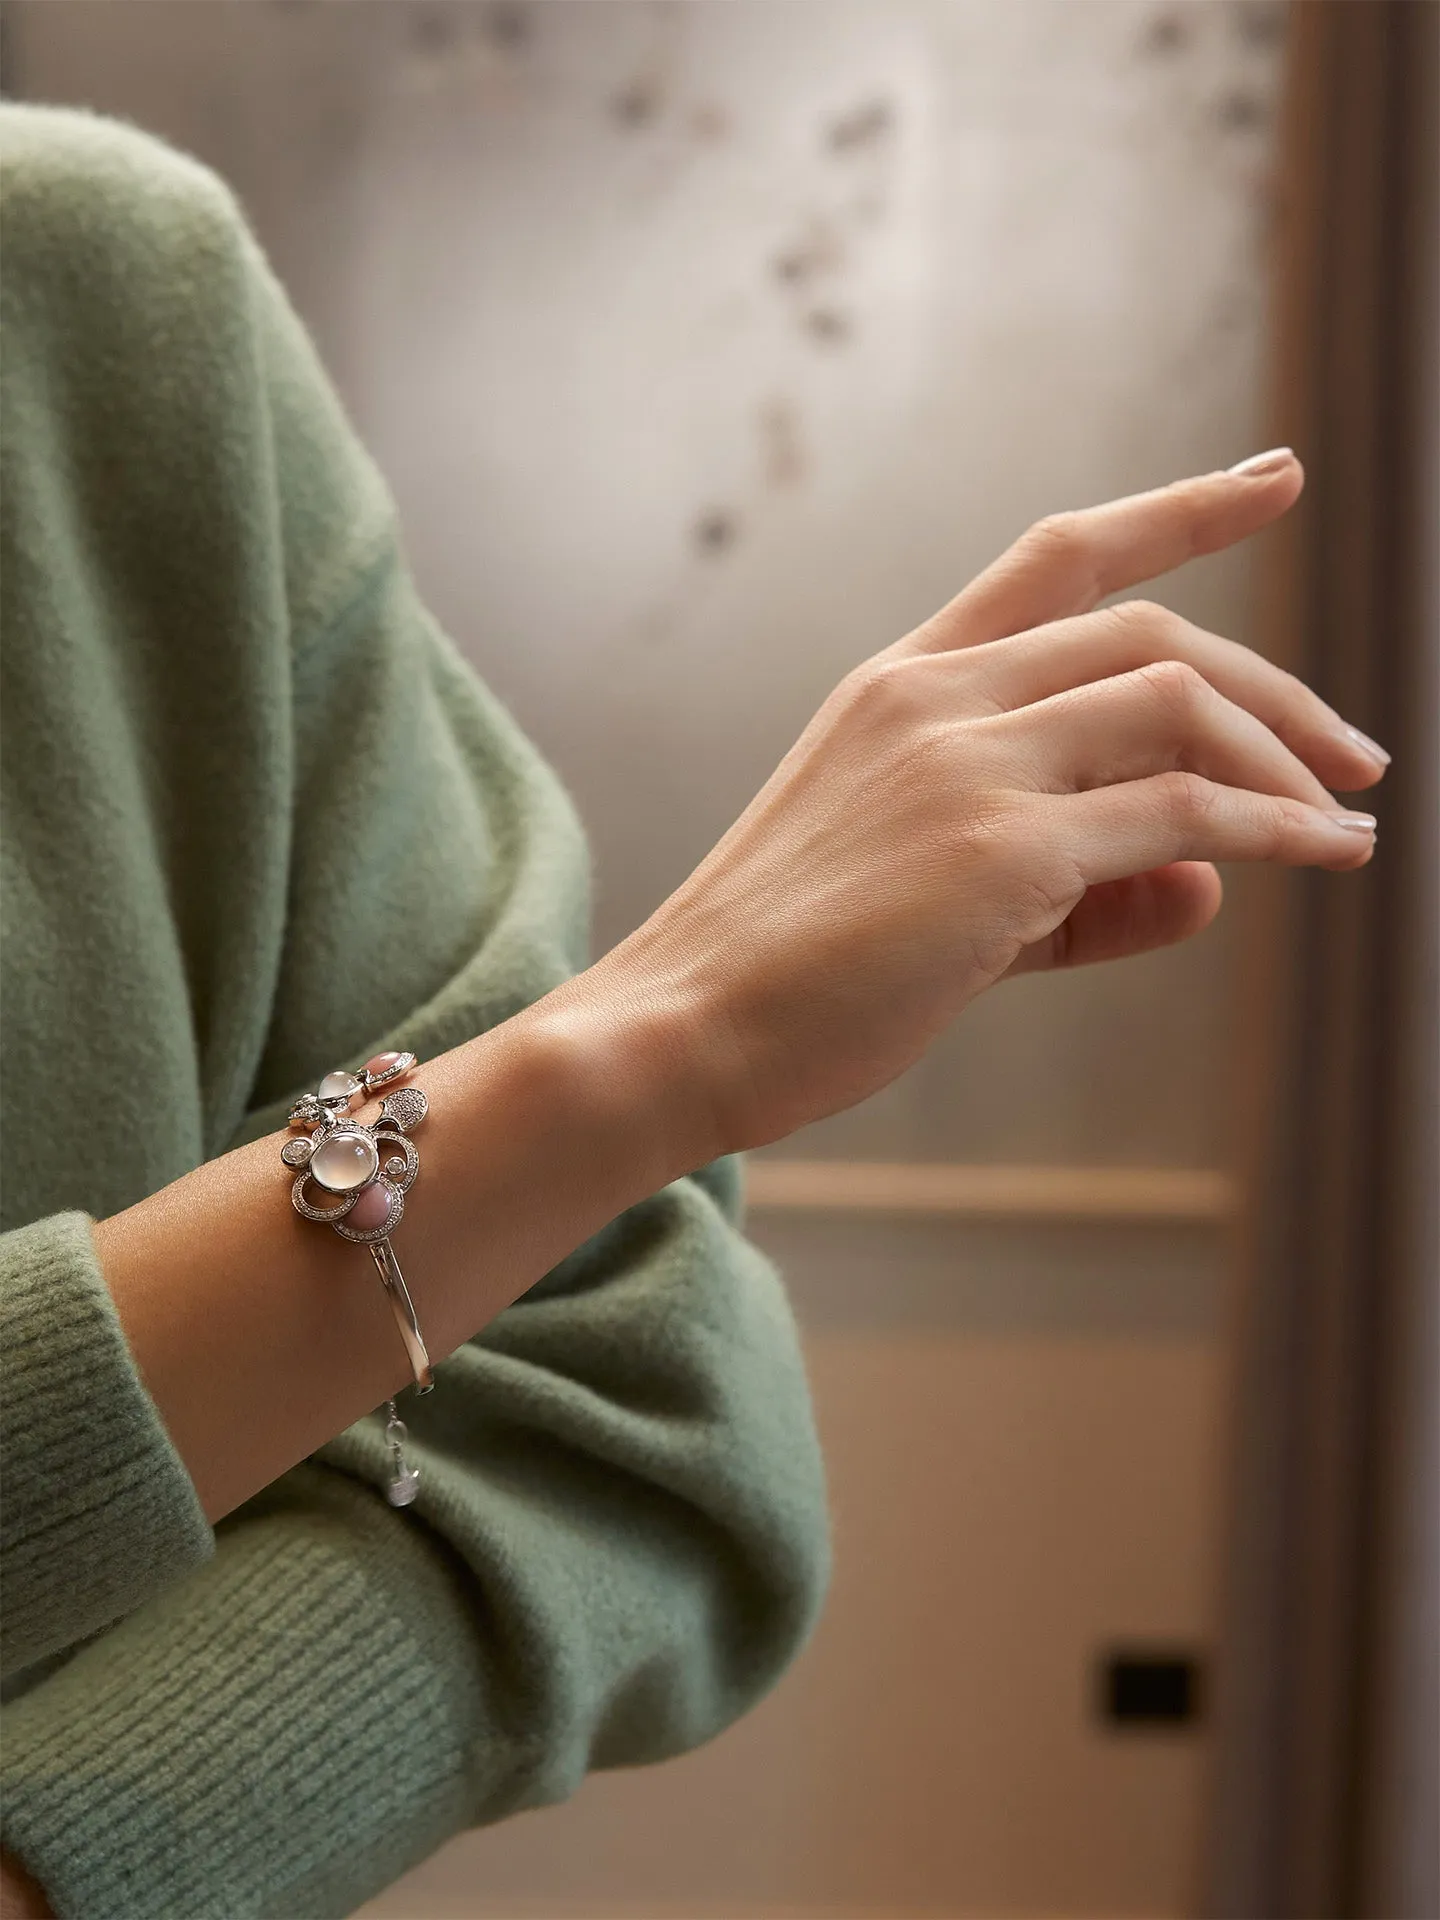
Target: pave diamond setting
406, 1107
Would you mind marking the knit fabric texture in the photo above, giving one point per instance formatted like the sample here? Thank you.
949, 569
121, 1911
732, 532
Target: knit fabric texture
260, 819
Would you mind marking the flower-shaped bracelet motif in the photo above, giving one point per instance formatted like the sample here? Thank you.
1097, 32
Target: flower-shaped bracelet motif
367, 1188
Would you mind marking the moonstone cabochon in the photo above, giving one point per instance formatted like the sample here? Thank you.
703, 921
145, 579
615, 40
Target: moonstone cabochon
345, 1160
338, 1086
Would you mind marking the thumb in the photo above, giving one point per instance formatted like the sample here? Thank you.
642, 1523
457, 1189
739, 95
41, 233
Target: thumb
1121, 917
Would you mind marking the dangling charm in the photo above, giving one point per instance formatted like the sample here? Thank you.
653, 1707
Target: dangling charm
404, 1479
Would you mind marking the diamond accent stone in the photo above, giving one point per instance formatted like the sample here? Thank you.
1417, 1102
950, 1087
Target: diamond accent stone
406, 1107
296, 1153
306, 1112
402, 1172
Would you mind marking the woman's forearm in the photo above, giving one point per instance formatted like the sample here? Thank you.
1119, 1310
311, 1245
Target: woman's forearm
261, 1335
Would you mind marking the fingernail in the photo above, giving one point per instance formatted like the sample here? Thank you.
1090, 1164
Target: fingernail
1368, 746
1262, 463
1353, 822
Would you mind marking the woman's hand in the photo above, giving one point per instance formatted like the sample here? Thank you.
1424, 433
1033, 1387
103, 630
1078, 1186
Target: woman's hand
1022, 782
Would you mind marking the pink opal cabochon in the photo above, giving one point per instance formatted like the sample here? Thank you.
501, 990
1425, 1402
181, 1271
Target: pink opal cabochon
371, 1210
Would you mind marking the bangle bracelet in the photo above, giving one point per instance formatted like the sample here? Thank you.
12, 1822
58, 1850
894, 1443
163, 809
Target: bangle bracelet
367, 1201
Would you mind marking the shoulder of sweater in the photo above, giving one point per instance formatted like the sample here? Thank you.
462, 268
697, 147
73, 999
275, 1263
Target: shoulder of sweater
125, 257
72, 179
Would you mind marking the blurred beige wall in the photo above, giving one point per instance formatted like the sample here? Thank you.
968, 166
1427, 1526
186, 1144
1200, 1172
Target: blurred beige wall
708, 347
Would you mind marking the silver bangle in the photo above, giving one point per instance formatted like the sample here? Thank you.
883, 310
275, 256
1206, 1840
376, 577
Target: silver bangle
367, 1192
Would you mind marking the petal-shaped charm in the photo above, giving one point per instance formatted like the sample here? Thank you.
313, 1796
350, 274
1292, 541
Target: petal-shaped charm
406, 1107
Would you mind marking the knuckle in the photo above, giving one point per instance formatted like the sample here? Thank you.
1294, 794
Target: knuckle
865, 681
1176, 686
1284, 819
1145, 619
1059, 536
1062, 549
1187, 798
886, 685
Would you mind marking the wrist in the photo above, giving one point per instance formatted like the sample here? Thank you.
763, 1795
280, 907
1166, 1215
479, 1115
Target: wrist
629, 1055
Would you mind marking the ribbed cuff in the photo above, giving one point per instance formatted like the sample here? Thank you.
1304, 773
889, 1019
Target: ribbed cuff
282, 1736
99, 1512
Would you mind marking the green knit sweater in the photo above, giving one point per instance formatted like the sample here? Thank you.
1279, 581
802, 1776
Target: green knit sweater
260, 819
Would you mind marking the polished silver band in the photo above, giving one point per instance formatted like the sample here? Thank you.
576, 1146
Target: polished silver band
365, 1173
403, 1307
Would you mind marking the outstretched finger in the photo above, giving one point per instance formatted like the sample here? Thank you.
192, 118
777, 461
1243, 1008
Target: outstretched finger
1029, 667
1069, 563
1138, 825
1150, 721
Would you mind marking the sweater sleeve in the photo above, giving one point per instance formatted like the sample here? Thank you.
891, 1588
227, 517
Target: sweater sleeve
80, 1545
620, 1537
616, 1549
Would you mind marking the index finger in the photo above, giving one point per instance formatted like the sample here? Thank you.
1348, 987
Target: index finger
1067, 564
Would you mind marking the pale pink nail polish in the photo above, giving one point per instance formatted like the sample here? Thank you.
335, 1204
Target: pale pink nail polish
1354, 822
1367, 746
1260, 464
